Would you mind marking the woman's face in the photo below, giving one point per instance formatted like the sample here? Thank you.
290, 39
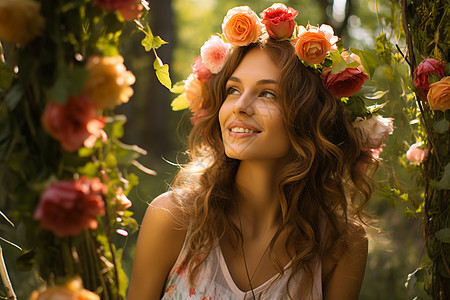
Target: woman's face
250, 117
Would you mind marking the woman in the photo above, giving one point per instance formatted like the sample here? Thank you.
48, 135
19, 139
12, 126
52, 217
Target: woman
267, 208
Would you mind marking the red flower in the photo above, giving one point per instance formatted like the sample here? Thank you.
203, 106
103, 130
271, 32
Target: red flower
345, 83
192, 292
71, 123
423, 70
200, 71
279, 20
129, 9
68, 207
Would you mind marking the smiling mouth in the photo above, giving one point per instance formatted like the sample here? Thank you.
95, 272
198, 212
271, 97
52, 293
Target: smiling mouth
243, 130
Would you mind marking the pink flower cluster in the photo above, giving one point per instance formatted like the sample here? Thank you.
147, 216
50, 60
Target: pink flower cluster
68, 207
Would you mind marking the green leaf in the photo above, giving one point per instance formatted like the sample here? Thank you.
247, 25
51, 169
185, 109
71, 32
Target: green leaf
85, 152
90, 169
77, 77
339, 64
444, 183
376, 95
368, 60
178, 87
441, 126
147, 42
14, 97
162, 72
6, 76
180, 103
158, 42
443, 235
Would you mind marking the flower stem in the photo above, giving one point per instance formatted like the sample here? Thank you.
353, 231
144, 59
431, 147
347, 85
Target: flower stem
5, 278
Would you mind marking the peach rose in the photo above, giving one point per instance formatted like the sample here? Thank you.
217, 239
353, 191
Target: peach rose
73, 290
415, 154
20, 21
439, 94
241, 26
109, 81
279, 20
373, 131
68, 207
214, 53
193, 90
313, 44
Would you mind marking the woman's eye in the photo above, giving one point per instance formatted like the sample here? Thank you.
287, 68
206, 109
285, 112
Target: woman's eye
232, 91
267, 94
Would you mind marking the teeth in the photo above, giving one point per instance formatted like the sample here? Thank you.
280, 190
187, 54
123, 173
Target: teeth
240, 129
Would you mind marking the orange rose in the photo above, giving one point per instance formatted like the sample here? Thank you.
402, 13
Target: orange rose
73, 290
109, 81
20, 20
193, 90
313, 43
439, 94
241, 26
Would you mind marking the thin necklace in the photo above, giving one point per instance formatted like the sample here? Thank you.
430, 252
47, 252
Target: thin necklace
245, 261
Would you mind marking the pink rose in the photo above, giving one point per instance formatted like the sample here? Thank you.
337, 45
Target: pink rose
344, 83
72, 123
423, 70
129, 9
313, 44
279, 20
68, 207
415, 154
214, 53
193, 90
241, 26
373, 131
200, 71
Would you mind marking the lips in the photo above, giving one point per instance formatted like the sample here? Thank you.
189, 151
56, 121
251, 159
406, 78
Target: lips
238, 126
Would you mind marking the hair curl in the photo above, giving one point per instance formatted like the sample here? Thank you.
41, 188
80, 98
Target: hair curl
321, 181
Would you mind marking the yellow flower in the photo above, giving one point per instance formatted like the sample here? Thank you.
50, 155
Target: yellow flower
20, 20
109, 81
73, 290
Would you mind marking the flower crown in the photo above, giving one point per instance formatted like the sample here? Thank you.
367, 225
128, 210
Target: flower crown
342, 73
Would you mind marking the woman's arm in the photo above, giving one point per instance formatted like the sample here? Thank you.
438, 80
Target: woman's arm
159, 244
345, 281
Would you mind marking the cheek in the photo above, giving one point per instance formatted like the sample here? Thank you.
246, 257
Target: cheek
225, 110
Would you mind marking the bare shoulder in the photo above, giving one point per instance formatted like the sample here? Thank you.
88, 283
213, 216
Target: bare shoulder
160, 240
344, 276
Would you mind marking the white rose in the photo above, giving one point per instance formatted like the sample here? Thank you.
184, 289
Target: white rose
373, 130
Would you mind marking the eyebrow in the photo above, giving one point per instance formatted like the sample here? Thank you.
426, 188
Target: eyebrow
259, 82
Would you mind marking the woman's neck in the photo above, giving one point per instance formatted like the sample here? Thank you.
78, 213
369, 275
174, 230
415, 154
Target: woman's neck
258, 199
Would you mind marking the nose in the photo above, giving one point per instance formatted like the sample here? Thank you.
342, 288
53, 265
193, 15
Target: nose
244, 105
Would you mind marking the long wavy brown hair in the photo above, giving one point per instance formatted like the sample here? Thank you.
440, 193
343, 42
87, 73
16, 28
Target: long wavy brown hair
322, 183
